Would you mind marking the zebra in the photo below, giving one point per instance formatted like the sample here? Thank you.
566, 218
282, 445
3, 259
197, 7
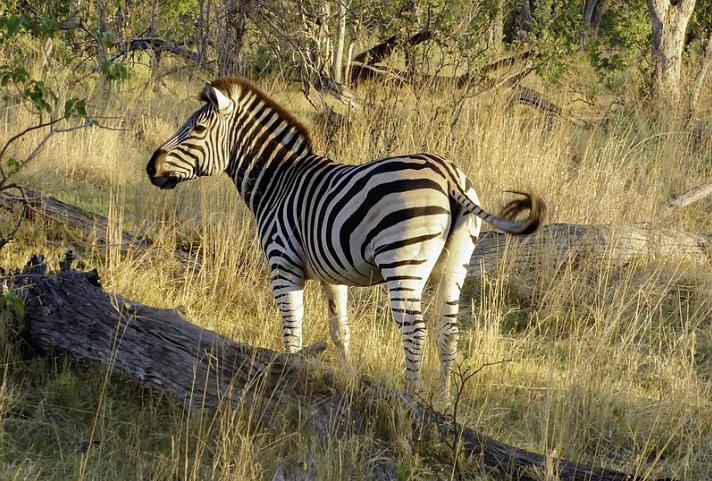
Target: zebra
397, 220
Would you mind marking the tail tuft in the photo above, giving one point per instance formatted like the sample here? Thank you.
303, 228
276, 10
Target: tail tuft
528, 202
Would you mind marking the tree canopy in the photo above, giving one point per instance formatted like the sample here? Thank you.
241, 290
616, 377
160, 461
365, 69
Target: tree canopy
625, 43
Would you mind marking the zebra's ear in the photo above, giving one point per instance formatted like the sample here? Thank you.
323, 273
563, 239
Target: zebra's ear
216, 97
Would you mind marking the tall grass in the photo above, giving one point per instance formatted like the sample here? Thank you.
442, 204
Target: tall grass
602, 363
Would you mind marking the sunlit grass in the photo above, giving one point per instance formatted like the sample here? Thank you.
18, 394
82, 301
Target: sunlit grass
602, 363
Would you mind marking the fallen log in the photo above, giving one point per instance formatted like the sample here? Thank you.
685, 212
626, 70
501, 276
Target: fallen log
366, 64
92, 225
616, 244
506, 61
380, 52
691, 196
532, 98
68, 313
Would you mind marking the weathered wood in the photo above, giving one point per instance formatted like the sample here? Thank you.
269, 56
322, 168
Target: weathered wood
532, 98
380, 52
92, 225
616, 244
366, 65
691, 196
70, 314
383, 50
158, 45
506, 61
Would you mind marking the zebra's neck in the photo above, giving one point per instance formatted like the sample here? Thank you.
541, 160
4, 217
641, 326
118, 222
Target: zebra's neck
267, 145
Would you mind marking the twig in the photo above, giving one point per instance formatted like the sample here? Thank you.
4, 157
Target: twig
463, 377
26, 131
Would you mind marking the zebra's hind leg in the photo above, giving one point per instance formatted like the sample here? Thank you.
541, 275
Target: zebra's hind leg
447, 278
405, 272
336, 296
447, 330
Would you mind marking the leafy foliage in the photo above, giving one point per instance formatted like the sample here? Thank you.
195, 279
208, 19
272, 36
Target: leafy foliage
13, 25
20, 88
13, 305
622, 43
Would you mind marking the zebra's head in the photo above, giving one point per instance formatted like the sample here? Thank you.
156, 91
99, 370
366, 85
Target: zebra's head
200, 147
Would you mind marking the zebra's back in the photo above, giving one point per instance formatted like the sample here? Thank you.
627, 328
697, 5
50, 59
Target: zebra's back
354, 222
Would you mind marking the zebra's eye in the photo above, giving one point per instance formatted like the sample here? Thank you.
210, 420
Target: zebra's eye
200, 128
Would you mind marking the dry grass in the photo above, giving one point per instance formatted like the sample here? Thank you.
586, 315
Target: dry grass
604, 364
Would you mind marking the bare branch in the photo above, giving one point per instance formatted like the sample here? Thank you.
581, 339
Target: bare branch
158, 44
24, 132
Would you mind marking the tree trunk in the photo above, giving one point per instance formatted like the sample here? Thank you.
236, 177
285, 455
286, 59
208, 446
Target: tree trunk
618, 245
203, 31
103, 91
362, 67
95, 228
526, 19
317, 53
230, 60
592, 13
700, 79
338, 65
495, 31
70, 314
669, 19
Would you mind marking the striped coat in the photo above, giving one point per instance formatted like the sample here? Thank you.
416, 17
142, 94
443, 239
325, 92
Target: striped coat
398, 220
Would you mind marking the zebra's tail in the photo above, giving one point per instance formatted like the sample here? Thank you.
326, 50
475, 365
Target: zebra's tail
507, 221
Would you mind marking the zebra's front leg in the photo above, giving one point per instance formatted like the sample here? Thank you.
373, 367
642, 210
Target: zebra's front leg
336, 297
290, 300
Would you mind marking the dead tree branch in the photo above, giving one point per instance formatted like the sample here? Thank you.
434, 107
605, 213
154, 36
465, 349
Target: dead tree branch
383, 50
691, 196
158, 45
532, 98
93, 226
506, 61
380, 52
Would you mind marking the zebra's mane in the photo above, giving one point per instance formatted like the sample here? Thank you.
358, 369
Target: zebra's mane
233, 86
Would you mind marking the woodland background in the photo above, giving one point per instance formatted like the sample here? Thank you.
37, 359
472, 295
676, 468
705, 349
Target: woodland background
601, 107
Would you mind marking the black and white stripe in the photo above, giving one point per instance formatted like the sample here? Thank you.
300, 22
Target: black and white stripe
399, 220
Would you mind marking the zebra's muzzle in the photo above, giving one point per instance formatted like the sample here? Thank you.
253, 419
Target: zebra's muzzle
155, 171
164, 182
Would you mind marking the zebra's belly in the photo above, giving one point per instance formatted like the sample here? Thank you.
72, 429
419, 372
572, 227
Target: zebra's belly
364, 275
